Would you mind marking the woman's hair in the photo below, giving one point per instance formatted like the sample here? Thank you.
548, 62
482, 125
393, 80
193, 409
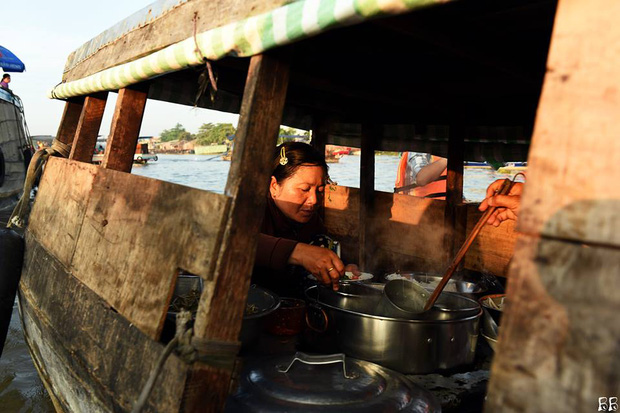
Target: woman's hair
289, 156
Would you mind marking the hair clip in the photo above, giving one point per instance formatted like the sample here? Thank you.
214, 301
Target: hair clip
283, 158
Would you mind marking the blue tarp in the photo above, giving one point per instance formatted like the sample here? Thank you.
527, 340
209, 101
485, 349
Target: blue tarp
9, 62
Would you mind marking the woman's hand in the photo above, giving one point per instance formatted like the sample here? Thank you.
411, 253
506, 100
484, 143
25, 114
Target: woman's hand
507, 205
321, 262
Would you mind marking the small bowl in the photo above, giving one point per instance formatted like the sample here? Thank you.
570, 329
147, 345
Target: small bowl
288, 319
494, 304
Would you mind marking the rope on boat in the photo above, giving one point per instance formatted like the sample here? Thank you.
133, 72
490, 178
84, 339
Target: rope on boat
220, 354
32, 175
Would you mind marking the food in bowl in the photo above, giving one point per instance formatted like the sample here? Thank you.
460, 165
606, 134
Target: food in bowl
364, 276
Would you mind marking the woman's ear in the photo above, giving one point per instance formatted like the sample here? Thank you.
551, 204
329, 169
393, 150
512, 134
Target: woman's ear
274, 188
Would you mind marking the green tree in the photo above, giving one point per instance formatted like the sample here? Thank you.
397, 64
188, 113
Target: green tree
285, 133
176, 133
218, 133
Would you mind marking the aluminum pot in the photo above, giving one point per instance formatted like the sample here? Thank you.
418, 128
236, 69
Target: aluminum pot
437, 341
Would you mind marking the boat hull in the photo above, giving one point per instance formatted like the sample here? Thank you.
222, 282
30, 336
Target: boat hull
13, 142
90, 358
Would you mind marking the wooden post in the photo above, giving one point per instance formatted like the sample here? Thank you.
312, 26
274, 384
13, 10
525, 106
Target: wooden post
319, 133
70, 119
220, 312
367, 191
558, 342
319, 141
125, 130
88, 127
455, 216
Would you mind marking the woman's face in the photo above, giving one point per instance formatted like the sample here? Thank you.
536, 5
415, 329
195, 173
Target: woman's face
299, 196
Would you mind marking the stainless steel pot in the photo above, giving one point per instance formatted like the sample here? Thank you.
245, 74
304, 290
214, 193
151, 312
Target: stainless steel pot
436, 341
325, 383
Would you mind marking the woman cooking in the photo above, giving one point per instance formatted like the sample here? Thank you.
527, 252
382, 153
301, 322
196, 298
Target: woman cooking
291, 222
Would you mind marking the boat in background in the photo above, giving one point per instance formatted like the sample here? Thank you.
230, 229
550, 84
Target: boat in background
477, 165
140, 157
15, 148
210, 149
513, 167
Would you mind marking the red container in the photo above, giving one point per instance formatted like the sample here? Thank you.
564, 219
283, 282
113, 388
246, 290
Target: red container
288, 319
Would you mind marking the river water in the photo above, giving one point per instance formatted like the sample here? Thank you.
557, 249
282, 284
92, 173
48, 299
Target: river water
21, 390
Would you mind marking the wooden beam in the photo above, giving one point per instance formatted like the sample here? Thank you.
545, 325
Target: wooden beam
573, 164
125, 130
70, 119
319, 141
559, 336
88, 127
367, 191
221, 308
455, 219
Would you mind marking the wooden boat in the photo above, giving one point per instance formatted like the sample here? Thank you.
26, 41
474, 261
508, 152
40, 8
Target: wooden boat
102, 258
15, 148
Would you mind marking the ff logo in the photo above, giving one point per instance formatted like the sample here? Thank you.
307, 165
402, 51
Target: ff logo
607, 404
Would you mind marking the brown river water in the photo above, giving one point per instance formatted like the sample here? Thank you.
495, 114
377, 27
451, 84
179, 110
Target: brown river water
21, 390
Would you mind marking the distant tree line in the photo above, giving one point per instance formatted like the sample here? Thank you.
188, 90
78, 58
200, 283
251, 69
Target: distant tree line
217, 133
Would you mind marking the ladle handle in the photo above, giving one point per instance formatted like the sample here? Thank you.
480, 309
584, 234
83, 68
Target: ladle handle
504, 190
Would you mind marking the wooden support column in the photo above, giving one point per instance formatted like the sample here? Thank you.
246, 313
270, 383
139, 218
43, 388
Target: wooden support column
319, 133
367, 191
221, 308
125, 130
558, 342
320, 130
88, 127
70, 119
455, 218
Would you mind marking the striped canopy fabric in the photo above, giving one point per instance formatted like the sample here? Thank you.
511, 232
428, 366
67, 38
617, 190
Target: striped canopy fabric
254, 35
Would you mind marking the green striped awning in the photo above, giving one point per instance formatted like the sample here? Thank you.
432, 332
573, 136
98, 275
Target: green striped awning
254, 35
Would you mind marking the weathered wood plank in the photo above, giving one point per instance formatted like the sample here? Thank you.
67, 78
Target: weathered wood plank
178, 24
125, 130
367, 191
59, 207
222, 303
88, 127
493, 248
94, 359
127, 245
559, 335
575, 155
69, 121
455, 218
319, 141
408, 232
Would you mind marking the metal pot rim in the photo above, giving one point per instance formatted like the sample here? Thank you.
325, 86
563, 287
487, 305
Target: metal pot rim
398, 320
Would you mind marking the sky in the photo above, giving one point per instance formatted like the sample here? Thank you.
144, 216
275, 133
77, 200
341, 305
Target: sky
42, 33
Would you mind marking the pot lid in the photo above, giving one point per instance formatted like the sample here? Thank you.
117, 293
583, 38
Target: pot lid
304, 382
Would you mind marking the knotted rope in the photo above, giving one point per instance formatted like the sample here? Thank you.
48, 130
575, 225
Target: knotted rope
34, 172
220, 354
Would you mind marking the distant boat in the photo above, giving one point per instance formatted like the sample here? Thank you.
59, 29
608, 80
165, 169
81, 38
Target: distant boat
15, 147
140, 157
210, 149
513, 167
477, 165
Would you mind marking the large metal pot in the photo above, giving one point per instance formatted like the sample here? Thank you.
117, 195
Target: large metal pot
438, 340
